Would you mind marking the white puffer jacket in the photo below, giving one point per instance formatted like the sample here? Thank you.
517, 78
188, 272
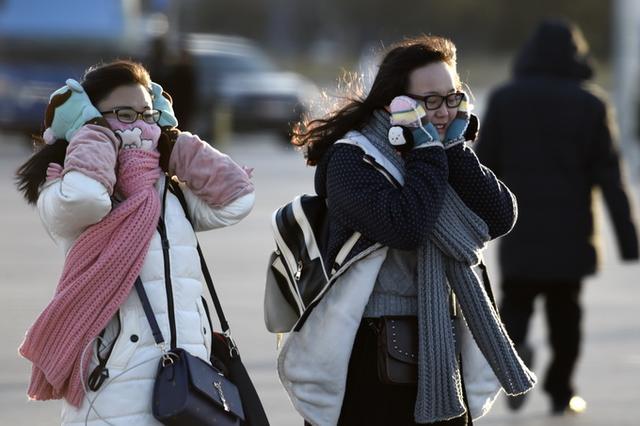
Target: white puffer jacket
67, 206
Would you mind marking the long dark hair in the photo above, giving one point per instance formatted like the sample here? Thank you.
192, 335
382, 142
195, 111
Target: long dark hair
392, 79
99, 80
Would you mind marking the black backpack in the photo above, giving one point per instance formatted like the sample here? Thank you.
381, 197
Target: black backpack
296, 274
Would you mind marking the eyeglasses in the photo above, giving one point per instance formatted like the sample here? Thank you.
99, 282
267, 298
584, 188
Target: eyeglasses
432, 102
129, 115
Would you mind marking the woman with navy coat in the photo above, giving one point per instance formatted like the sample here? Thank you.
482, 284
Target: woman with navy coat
410, 210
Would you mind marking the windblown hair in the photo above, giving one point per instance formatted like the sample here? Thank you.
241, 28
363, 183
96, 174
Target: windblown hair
99, 81
317, 135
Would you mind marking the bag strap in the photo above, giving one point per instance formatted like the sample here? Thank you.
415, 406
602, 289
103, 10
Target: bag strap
148, 312
142, 294
146, 305
224, 325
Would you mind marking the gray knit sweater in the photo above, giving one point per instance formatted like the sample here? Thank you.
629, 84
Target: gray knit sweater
396, 288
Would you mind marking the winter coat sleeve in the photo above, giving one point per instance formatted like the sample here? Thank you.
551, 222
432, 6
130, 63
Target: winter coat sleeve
204, 217
218, 191
363, 199
209, 173
481, 191
82, 196
607, 174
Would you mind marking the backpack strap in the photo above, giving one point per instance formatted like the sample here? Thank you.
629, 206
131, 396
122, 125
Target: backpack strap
374, 157
344, 251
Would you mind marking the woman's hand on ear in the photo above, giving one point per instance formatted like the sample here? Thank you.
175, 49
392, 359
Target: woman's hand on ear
408, 131
69, 109
455, 133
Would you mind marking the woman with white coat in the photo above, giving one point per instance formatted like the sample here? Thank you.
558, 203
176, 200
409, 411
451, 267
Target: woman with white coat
104, 186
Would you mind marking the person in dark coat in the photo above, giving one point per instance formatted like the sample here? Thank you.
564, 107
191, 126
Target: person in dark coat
181, 84
549, 137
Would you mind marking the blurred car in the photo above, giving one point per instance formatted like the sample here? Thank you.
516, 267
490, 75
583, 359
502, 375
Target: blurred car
26, 84
237, 80
42, 43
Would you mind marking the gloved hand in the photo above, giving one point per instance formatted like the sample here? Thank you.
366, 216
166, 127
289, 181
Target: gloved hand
408, 131
69, 109
162, 101
455, 133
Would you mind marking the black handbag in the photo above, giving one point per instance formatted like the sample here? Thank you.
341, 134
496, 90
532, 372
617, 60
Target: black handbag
188, 390
397, 357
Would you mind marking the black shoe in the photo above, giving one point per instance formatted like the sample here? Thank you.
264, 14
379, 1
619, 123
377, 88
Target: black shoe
575, 405
526, 354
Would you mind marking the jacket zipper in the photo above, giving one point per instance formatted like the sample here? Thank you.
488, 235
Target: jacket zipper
373, 163
310, 239
290, 263
332, 280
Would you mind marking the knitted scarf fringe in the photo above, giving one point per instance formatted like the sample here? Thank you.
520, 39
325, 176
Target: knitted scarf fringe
446, 261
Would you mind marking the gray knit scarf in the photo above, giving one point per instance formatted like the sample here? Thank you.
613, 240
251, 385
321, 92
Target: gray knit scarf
445, 261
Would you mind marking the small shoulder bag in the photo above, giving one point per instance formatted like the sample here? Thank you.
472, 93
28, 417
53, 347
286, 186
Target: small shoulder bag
398, 350
188, 390
397, 340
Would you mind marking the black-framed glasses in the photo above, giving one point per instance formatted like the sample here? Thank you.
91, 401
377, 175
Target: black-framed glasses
432, 102
129, 115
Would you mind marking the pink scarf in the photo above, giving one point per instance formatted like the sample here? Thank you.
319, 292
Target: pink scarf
99, 272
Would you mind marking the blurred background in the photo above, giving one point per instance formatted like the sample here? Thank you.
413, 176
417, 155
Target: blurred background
241, 72
243, 64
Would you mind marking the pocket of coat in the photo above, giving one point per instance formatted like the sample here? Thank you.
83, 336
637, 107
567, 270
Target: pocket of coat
127, 340
205, 329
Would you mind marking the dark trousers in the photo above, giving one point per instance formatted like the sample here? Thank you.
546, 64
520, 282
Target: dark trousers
563, 314
367, 401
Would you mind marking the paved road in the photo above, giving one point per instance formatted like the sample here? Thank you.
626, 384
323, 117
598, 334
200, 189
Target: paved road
609, 372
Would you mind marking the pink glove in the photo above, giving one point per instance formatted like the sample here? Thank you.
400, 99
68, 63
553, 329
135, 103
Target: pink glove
210, 174
92, 151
